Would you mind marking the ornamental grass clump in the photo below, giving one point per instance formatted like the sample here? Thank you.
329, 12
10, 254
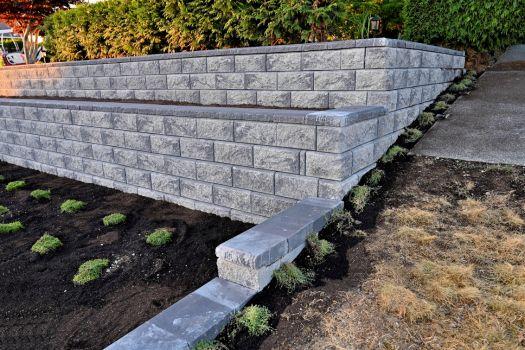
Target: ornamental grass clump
11, 227
412, 135
447, 98
440, 106
359, 197
41, 194
113, 219
256, 320
392, 153
71, 206
210, 345
15, 185
291, 277
458, 87
4, 210
426, 119
159, 237
46, 244
375, 177
90, 271
320, 248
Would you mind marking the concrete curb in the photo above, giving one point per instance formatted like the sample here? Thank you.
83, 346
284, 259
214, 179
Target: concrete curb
246, 264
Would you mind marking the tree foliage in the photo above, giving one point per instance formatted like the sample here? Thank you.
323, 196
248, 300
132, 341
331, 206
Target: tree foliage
486, 25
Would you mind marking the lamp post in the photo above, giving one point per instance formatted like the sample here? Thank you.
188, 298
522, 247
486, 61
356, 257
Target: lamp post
375, 24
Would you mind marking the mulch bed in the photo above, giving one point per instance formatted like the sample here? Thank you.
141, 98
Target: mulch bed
40, 307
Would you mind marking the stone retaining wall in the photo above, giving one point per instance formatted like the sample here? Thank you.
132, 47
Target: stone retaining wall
245, 163
393, 73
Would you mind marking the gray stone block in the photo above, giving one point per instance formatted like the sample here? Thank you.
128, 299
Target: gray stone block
253, 179
241, 97
334, 80
387, 99
178, 81
321, 60
180, 126
231, 197
148, 161
289, 61
215, 129
230, 81
196, 148
194, 65
137, 141
380, 57
353, 59
254, 132
220, 64
168, 145
274, 98
197, 190
295, 186
124, 121
155, 82
250, 63
138, 178
261, 81
296, 136
214, 172
226, 293
92, 167
153, 124
312, 99
202, 81
114, 172
125, 157
279, 159
375, 79
339, 99
363, 156
165, 183
103, 153
180, 167
170, 66
213, 209
328, 165
296, 80
268, 205
213, 97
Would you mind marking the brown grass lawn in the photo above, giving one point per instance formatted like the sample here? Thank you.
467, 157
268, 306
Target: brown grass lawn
447, 256
449, 270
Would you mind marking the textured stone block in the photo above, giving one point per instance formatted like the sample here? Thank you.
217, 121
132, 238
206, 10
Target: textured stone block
180, 126
197, 190
253, 179
254, 132
230, 81
353, 59
148, 161
170, 66
295, 136
103, 153
137, 141
215, 129
180, 167
375, 79
268, 205
261, 81
294, 186
363, 156
321, 60
153, 124
196, 149
92, 167
313, 99
288, 61
250, 63
213, 97
339, 99
165, 183
149, 67
194, 65
380, 57
124, 121
214, 172
279, 159
178, 81
125, 157
273, 98
202, 81
241, 97
328, 165
233, 153
334, 80
231, 197
296, 80
165, 145
219, 64
156, 82
114, 172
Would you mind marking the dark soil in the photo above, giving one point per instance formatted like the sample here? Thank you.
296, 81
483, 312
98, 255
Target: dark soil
40, 308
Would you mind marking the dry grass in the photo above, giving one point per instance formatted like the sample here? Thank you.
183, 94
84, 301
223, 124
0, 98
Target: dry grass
448, 275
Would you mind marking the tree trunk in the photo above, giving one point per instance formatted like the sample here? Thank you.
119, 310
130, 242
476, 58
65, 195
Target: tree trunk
30, 42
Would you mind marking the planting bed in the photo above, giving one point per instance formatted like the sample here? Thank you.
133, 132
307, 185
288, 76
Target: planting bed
40, 306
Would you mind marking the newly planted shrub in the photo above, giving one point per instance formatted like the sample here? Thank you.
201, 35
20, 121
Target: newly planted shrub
467, 82
375, 177
90, 271
426, 119
2, 178
346, 225
113, 219
412, 135
210, 345
458, 87
15, 185
46, 244
392, 153
3, 210
291, 277
359, 197
256, 320
159, 237
320, 248
440, 106
11, 227
71, 206
41, 194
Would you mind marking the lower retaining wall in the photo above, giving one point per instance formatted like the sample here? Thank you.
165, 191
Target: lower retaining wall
248, 164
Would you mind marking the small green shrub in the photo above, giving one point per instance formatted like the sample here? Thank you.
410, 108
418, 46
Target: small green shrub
159, 237
467, 82
4, 210
90, 271
71, 206
346, 225
447, 98
210, 345
359, 197
392, 153
320, 248
471, 74
15, 185
458, 87
46, 244
113, 219
2, 178
11, 227
412, 135
375, 177
426, 119
440, 106
256, 320
41, 194
291, 277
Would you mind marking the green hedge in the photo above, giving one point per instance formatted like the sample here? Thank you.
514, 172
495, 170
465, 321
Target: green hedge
485, 25
114, 28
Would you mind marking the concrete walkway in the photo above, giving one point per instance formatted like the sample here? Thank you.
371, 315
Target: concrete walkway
489, 124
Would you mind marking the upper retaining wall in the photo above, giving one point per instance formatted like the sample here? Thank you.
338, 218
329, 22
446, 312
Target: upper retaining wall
321, 75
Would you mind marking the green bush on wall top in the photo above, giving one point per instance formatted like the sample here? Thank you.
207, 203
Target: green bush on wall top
485, 25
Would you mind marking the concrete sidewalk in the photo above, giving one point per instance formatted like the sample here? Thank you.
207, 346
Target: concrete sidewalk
489, 124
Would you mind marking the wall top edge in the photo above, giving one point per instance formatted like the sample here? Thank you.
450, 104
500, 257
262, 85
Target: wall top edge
322, 46
339, 117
